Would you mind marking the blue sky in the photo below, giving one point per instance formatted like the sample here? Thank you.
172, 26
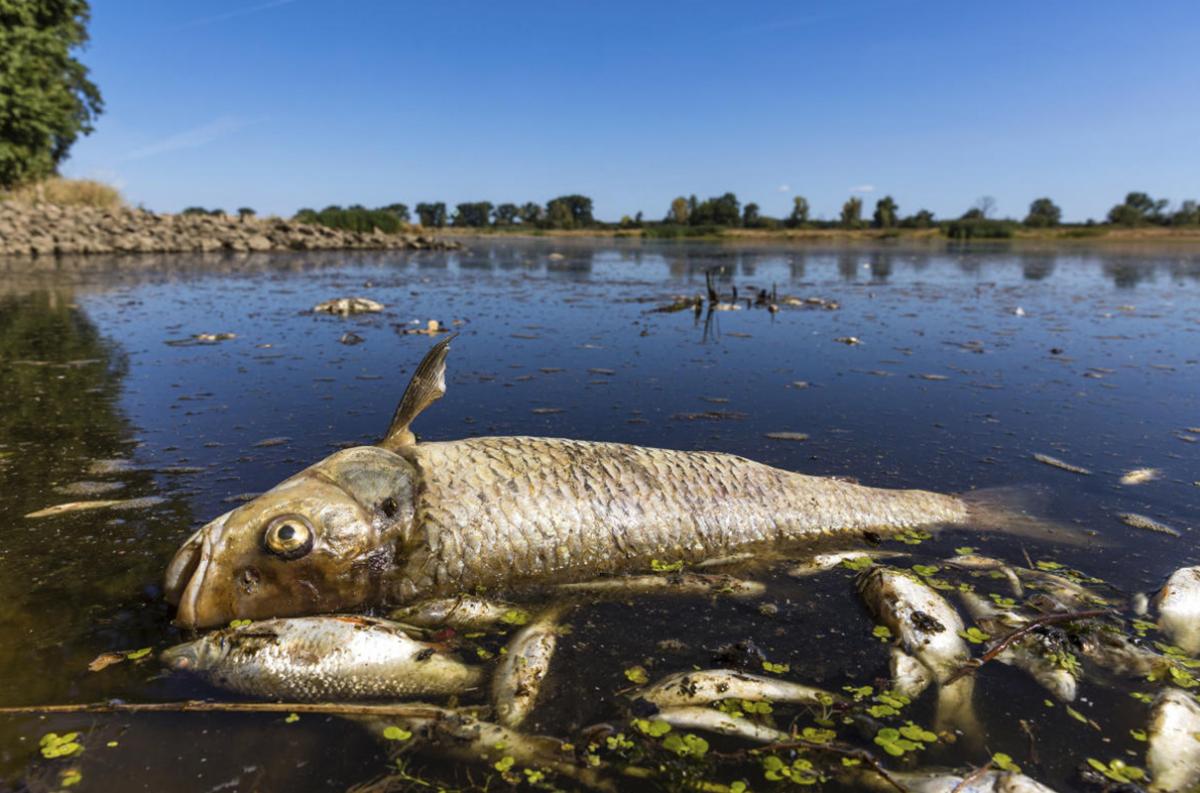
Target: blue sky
279, 104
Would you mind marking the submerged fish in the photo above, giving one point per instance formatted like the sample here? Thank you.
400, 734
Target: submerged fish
523, 667
670, 584
322, 659
404, 521
710, 720
827, 561
1173, 754
710, 685
974, 561
1178, 605
947, 782
465, 613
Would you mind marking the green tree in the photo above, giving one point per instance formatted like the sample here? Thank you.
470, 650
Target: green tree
751, 216
721, 210
399, 210
46, 98
505, 214
679, 211
1188, 214
852, 213
570, 212
1138, 208
885, 213
1043, 213
531, 213
245, 213
432, 215
472, 214
799, 216
923, 219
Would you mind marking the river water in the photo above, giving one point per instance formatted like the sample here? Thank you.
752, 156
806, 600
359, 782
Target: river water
970, 361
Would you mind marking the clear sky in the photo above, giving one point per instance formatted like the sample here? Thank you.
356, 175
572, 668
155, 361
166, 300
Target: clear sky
279, 104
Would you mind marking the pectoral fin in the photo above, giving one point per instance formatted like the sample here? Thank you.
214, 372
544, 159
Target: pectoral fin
428, 384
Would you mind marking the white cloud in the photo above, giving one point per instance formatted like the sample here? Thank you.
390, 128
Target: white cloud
238, 12
784, 188
863, 188
189, 139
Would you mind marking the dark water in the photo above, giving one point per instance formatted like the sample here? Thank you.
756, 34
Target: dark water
1099, 367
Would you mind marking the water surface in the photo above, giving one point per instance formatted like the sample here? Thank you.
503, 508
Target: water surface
970, 362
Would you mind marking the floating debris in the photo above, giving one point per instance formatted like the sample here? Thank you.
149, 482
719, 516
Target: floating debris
87, 488
345, 306
848, 340
350, 337
213, 338
83, 506
786, 436
432, 328
1057, 463
268, 442
810, 302
1149, 524
680, 304
710, 415
1140, 476
546, 411
935, 377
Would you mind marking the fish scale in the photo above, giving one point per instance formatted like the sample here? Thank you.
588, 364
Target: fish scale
490, 511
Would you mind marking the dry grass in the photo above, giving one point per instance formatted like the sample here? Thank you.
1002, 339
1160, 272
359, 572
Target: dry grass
67, 192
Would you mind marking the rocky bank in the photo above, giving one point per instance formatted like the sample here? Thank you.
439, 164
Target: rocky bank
48, 229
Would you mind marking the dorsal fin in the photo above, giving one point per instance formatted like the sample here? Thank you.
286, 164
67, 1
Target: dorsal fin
428, 384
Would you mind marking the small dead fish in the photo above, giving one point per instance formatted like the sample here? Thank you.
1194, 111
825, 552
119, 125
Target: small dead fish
671, 584
943, 782
1173, 753
710, 685
1140, 476
721, 561
1149, 524
1057, 463
827, 561
346, 306
711, 720
213, 338
463, 613
432, 328
1035, 653
926, 624
848, 340
82, 506
1178, 605
973, 561
522, 670
786, 436
313, 659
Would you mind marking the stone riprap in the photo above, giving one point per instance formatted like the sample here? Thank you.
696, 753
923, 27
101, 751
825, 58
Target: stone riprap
48, 230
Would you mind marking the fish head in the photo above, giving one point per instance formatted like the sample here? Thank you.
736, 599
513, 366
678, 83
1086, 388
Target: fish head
202, 654
327, 539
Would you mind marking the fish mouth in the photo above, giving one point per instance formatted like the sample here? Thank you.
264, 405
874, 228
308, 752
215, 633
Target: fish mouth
187, 576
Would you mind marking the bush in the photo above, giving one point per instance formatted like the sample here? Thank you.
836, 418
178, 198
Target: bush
671, 231
355, 218
67, 192
979, 228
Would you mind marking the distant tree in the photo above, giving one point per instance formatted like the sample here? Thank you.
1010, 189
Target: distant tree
531, 214
693, 203
46, 98
569, 212
679, 211
1187, 215
885, 213
984, 207
852, 213
218, 212
194, 211
472, 214
432, 215
799, 216
1138, 208
246, 212
722, 210
923, 219
505, 214
1043, 213
751, 217
638, 218
399, 210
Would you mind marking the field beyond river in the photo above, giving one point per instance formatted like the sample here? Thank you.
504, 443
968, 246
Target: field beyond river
190, 382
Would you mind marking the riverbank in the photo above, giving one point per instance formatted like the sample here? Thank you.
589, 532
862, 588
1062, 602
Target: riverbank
49, 230
1064, 234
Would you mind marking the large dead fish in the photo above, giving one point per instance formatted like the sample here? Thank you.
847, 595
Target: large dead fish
403, 521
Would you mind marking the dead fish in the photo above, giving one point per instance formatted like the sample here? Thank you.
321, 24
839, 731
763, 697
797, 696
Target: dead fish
786, 436
431, 328
827, 561
464, 613
974, 561
523, 668
1057, 463
1149, 524
1043, 656
951, 782
1173, 753
1140, 476
83, 506
711, 720
721, 561
710, 685
313, 659
346, 306
848, 340
671, 584
213, 338
1178, 606
402, 521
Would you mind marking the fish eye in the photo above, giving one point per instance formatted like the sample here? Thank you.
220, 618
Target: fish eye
288, 537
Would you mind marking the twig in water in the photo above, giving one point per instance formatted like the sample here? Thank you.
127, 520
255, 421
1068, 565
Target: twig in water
970, 666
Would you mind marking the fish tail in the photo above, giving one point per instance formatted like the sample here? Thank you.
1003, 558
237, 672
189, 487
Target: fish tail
428, 384
1018, 511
